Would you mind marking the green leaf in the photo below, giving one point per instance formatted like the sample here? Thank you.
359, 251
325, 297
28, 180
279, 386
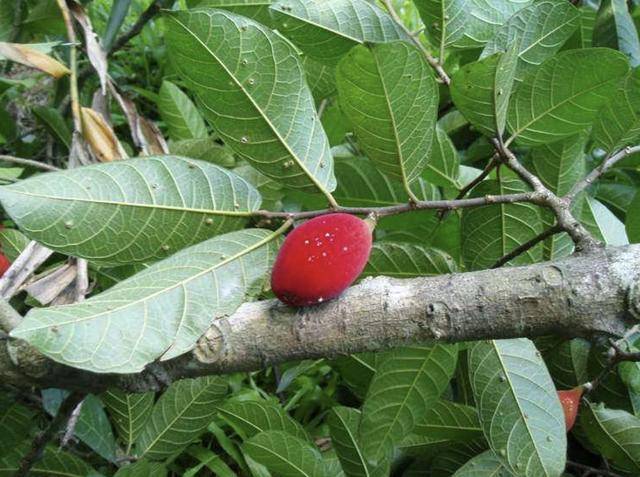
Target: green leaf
455, 455
633, 221
618, 124
407, 379
181, 414
245, 77
208, 150
16, 422
320, 77
136, 210
445, 20
12, 243
343, 428
327, 30
450, 420
616, 197
567, 363
614, 433
490, 232
563, 96
487, 464
601, 222
181, 116
583, 36
129, 413
249, 418
614, 28
54, 462
443, 166
388, 93
143, 468
536, 32
481, 91
258, 10
272, 192
518, 406
158, 313
406, 260
210, 460
285, 455
54, 122
560, 165
356, 371
117, 16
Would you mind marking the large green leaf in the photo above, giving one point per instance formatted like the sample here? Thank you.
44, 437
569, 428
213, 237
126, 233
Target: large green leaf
450, 420
210, 460
443, 166
255, 9
12, 243
618, 124
615, 29
53, 463
455, 455
406, 260
492, 231
252, 88
321, 78
583, 36
487, 464
285, 455
601, 222
249, 418
158, 313
327, 29
181, 116
16, 422
388, 93
616, 197
633, 220
445, 20
567, 363
518, 406
563, 96
614, 433
129, 413
407, 380
481, 91
208, 150
136, 210
181, 414
536, 32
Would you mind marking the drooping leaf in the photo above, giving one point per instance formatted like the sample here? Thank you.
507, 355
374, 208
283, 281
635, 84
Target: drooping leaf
406, 260
601, 222
258, 10
129, 413
285, 455
443, 167
618, 124
633, 221
181, 116
158, 313
450, 420
563, 96
536, 32
137, 210
518, 406
180, 416
487, 464
327, 29
407, 379
445, 20
492, 231
249, 418
31, 56
54, 462
614, 28
614, 433
245, 77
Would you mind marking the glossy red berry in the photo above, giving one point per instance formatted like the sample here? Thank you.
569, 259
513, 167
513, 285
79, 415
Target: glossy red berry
570, 401
4, 264
320, 259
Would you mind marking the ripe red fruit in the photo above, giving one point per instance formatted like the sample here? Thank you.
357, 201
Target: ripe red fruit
4, 264
320, 259
570, 401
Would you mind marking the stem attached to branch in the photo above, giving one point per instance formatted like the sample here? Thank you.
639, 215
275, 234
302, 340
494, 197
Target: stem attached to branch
526, 246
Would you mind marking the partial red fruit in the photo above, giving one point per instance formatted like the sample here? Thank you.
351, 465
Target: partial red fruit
320, 259
570, 401
4, 264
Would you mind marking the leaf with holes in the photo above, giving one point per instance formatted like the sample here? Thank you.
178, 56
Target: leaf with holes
252, 88
407, 379
181, 414
249, 418
137, 210
388, 93
407, 260
129, 413
180, 114
158, 313
563, 96
518, 406
327, 30
614, 28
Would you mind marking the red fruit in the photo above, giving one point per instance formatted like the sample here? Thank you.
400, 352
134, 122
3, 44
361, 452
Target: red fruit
320, 259
570, 401
4, 264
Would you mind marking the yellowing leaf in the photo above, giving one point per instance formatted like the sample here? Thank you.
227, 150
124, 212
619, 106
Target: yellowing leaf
29, 56
100, 136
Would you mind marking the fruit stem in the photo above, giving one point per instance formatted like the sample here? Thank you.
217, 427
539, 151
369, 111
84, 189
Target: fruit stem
371, 221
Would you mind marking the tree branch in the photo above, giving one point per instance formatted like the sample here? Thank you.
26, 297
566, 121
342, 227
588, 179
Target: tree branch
583, 295
152, 10
28, 163
550, 232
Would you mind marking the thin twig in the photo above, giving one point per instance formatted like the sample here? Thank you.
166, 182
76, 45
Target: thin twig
151, 11
40, 442
28, 163
616, 355
599, 171
586, 468
528, 245
435, 64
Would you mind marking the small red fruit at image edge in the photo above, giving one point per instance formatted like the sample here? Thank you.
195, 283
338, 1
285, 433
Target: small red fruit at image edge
4, 264
570, 401
321, 258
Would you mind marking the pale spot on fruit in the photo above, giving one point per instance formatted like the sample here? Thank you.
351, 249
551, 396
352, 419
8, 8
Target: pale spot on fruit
306, 242
320, 300
344, 249
324, 254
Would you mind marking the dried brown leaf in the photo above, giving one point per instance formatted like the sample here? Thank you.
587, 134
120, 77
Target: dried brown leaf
29, 56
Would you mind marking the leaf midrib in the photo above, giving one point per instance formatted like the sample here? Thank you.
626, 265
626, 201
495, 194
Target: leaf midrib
355, 444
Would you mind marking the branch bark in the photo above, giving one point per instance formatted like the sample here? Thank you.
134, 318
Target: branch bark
584, 295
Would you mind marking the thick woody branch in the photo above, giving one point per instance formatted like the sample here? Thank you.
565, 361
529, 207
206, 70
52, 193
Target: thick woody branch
584, 295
